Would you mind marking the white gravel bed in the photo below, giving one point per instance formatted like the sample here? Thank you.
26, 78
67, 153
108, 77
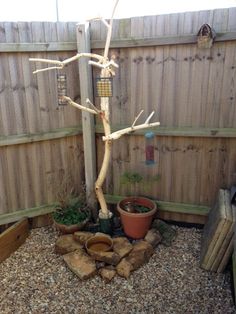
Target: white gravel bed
36, 280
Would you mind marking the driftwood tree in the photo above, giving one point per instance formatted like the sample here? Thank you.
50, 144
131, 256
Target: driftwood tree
107, 69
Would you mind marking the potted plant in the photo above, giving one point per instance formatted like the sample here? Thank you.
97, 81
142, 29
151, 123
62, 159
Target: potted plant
71, 214
136, 212
72, 217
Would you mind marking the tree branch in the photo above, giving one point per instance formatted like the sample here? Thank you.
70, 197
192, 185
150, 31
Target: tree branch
104, 65
92, 105
145, 125
109, 32
47, 69
62, 64
136, 118
149, 117
71, 102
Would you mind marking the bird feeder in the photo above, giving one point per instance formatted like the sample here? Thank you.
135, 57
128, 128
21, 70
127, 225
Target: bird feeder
104, 87
205, 37
149, 150
61, 89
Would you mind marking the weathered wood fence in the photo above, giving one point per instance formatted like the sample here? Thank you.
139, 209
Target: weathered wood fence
160, 68
39, 139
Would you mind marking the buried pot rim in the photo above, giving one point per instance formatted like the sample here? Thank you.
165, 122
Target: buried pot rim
133, 198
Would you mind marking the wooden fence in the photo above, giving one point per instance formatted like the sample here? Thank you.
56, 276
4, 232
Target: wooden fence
39, 139
193, 93
160, 68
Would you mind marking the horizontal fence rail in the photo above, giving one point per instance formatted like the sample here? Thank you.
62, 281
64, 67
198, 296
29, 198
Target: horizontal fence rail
118, 43
77, 130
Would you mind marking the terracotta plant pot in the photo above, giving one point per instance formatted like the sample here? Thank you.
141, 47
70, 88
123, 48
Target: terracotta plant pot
136, 225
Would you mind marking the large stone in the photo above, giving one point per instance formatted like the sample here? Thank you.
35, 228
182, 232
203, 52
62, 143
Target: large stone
66, 244
83, 236
110, 258
167, 232
107, 274
140, 254
81, 264
124, 268
122, 246
153, 237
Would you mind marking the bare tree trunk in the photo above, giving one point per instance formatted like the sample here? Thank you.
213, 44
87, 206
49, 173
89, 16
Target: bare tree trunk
105, 116
107, 70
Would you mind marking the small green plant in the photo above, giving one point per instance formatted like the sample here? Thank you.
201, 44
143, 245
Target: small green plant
135, 178
131, 177
73, 213
141, 209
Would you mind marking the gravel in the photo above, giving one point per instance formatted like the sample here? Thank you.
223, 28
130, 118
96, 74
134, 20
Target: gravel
35, 280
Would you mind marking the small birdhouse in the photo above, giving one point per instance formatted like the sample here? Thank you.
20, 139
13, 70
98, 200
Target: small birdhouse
205, 37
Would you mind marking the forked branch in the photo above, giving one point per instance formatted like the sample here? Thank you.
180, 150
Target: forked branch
74, 104
132, 128
104, 62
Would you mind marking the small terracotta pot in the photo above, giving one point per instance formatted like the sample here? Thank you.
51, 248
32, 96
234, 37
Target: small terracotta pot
136, 225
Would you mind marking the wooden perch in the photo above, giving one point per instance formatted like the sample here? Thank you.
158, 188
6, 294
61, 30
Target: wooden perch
92, 105
62, 64
74, 104
132, 128
104, 65
136, 118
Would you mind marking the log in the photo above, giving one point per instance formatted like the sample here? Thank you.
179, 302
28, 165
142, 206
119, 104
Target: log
13, 238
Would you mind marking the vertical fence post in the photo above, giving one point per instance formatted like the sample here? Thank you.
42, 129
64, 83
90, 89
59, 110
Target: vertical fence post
86, 91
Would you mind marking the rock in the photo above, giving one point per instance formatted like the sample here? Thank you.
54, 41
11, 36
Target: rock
82, 236
66, 244
107, 274
110, 258
81, 264
102, 234
153, 237
124, 268
140, 254
122, 246
167, 232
